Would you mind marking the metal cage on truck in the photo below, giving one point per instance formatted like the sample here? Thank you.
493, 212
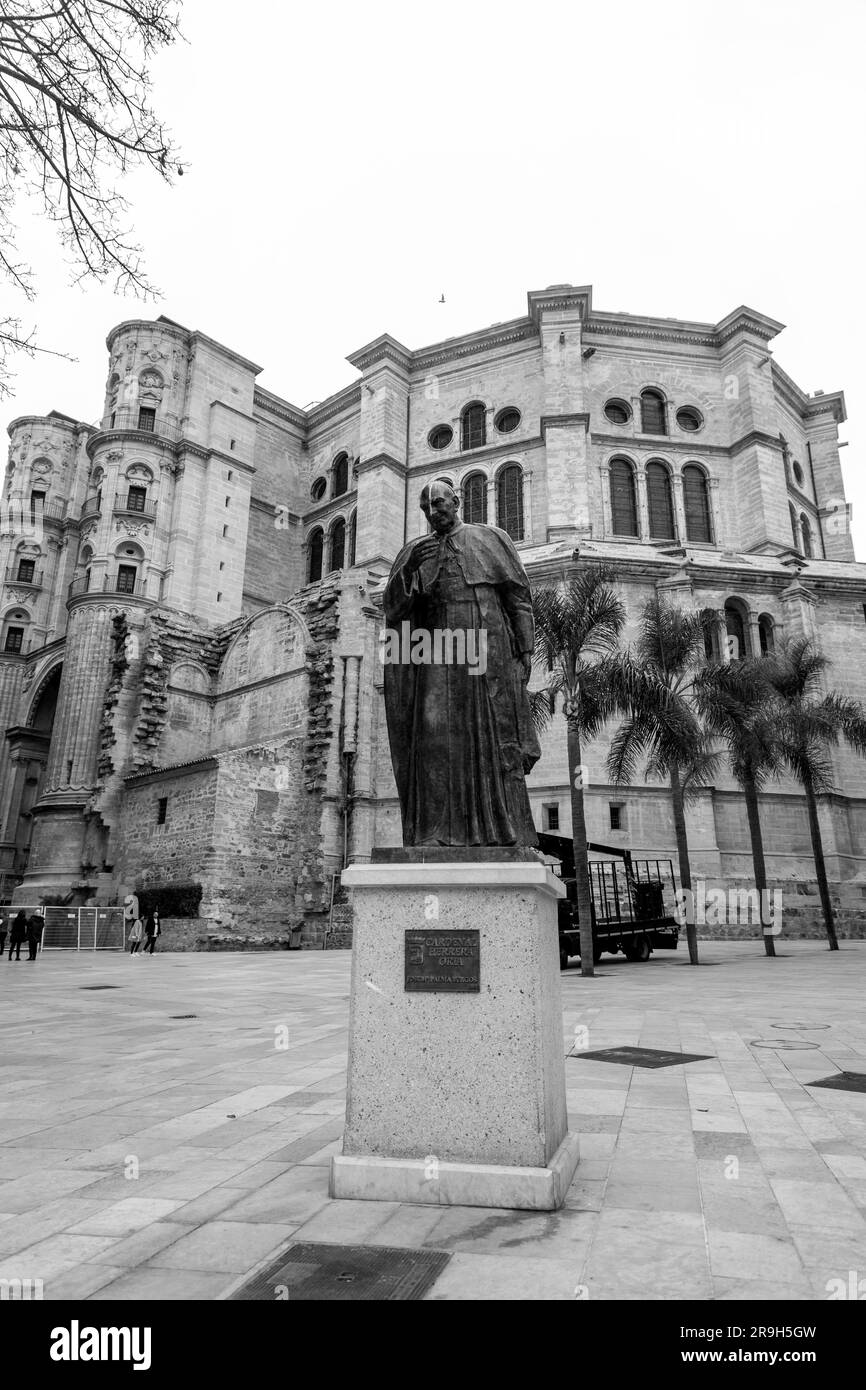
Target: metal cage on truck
633, 902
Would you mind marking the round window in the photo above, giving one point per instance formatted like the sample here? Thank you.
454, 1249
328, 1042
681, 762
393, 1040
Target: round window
319, 488
689, 419
440, 437
618, 412
507, 420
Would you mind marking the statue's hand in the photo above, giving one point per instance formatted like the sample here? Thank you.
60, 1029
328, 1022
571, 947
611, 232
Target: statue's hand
426, 549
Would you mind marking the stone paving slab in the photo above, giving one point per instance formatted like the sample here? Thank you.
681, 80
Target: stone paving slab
147, 1157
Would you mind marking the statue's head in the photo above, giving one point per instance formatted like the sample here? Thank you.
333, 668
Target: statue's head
440, 504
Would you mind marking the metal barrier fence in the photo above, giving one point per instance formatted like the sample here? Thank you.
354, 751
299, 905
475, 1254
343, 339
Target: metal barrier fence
76, 928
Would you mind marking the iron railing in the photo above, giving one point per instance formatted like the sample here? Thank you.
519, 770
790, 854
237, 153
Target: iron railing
129, 418
34, 582
140, 506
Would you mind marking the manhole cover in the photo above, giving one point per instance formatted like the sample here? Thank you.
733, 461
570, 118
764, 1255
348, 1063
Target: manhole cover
183, 1015
844, 1081
309, 1272
644, 1056
99, 986
784, 1044
802, 1027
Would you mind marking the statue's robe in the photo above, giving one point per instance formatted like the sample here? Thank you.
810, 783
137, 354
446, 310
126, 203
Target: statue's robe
461, 743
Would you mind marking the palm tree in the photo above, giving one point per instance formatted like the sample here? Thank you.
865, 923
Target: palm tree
735, 701
662, 727
809, 723
577, 630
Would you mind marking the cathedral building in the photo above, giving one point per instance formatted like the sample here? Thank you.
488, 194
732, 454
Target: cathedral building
190, 613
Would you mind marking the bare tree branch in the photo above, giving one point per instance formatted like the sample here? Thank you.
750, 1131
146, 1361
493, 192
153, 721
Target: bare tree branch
75, 117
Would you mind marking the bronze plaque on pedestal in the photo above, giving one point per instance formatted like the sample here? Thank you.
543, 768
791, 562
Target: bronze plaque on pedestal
443, 962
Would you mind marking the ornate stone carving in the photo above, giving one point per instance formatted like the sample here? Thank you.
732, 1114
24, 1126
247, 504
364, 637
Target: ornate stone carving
114, 456
42, 466
133, 529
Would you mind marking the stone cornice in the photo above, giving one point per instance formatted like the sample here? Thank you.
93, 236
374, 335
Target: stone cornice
381, 349
488, 339
460, 461
158, 325
53, 420
746, 320
829, 403
157, 774
659, 330
326, 410
560, 298
282, 409
561, 422
753, 438
380, 461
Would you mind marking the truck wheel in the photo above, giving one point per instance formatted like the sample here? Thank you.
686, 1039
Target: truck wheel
563, 959
641, 949
630, 952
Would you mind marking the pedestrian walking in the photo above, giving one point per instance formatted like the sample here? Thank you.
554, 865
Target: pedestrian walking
18, 934
35, 924
4, 930
151, 930
135, 936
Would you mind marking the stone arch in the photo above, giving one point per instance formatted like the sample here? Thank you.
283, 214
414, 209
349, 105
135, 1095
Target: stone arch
270, 643
138, 472
190, 675
50, 677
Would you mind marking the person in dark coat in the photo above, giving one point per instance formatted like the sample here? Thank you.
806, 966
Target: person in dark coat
18, 934
34, 933
4, 929
151, 932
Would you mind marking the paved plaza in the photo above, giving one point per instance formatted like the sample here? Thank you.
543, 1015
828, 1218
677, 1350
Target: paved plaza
147, 1154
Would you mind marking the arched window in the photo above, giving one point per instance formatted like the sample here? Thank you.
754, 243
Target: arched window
738, 642
765, 633
353, 536
473, 426
474, 509
509, 501
15, 631
623, 503
806, 534
341, 475
696, 501
652, 413
660, 502
794, 527
315, 545
711, 633
338, 545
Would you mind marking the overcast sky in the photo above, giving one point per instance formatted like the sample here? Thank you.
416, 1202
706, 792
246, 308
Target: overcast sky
351, 163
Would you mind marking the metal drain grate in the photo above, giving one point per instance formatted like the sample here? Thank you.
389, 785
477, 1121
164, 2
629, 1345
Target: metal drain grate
843, 1081
183, 1015
308, 1272
99, 986
644, 1056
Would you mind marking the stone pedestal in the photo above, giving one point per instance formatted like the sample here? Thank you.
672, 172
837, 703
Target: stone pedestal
456, 1098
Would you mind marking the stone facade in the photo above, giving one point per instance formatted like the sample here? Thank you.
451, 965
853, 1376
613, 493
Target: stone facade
190, 686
